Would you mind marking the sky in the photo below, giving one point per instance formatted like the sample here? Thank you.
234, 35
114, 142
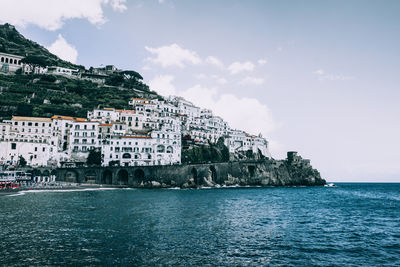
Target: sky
318, 77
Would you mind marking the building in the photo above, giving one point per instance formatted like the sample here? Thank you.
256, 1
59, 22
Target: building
150, 133
62, 71
10, 62
29, 137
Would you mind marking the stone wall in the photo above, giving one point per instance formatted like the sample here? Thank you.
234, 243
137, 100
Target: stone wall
254, 173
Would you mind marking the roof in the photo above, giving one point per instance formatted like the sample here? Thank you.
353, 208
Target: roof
61, 117
135, 98
21, 118
87, 122
11, 55
132, 136
126, 111
112, 109
104, 124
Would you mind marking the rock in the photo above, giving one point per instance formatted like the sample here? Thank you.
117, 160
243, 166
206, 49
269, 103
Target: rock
155, 184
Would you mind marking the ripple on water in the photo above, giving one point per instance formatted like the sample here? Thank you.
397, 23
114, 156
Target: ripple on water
353, 224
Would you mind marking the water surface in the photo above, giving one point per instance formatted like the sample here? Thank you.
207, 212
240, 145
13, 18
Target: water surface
350, 225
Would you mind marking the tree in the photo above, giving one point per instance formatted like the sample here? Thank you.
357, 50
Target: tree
22, 161
115, 80
129, 74
34, 62
94, 157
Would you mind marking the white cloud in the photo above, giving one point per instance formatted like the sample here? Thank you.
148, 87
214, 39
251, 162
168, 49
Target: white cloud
261, 62
63, 49
322, 76
318, 72
222, 81
237, 67
162, 84
51, 14
215, 61
161, 1
173, 55
241, 113
248, 80
145, 67
200, 76
118, 5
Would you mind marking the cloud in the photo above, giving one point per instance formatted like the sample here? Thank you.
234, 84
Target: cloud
173, 55
221, 80
51, 14
240, 112
318, 72
322, 76
162, 84
248, 80
145, 68
215, 61
237, 67
63, 49
161, 1
200, 76
262, 62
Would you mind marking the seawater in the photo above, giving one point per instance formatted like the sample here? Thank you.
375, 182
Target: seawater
350, 225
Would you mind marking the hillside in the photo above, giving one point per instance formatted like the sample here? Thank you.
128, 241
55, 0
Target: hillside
46, 95
12, 42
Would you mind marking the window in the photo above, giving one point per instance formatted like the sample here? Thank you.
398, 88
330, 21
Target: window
13, 146
35, 149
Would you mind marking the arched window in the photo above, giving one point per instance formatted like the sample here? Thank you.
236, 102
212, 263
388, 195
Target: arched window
126, 156
2, 59
15, 61
160, 149
6, 60
137, 156
170, 149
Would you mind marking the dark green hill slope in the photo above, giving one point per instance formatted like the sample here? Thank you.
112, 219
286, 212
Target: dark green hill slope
46, 95
12, 42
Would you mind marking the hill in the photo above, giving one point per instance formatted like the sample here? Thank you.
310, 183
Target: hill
46, 95
12, 42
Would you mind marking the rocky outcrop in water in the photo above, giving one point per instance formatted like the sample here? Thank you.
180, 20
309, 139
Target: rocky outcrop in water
293, 171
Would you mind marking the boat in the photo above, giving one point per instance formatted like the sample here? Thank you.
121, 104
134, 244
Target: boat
13, 179
330, 185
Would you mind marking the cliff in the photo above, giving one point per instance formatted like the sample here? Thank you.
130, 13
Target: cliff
266, 172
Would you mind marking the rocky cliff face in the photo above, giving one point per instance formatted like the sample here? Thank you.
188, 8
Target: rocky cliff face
266, 172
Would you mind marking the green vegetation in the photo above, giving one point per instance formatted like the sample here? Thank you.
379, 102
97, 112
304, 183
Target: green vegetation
48, 95
207, 153
22, 161
12, 42
94, 158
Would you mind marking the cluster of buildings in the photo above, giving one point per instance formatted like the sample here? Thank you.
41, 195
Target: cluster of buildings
149, 133
10, 63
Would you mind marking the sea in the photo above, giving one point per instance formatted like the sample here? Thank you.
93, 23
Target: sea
353, 224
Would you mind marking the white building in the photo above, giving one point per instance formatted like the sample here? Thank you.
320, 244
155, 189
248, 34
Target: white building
10, 62
84, 136
29, 137
62, 71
